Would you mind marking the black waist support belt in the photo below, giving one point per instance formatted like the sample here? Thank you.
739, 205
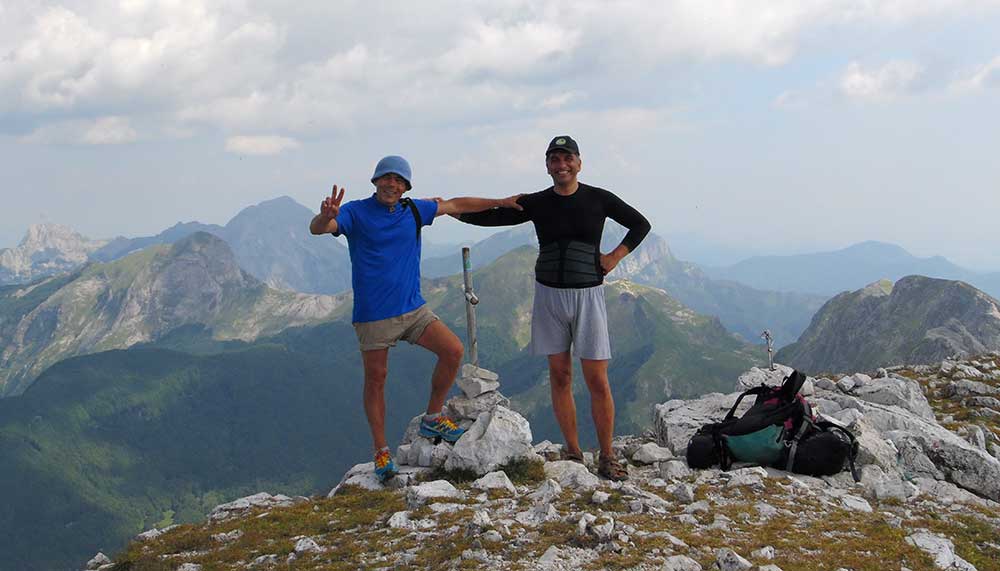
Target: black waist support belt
569, 264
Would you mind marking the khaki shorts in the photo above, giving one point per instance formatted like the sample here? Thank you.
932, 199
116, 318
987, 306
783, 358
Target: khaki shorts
385, 333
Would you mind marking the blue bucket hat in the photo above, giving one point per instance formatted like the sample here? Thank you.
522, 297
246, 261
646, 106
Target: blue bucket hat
396, 165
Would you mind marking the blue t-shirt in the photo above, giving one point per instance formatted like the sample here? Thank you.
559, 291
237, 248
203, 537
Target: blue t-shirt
385, 256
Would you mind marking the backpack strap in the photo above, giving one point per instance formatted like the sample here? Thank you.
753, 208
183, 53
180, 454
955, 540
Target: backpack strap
827, 425
721, 450
791, 385
793, 443
754, 391
408, 203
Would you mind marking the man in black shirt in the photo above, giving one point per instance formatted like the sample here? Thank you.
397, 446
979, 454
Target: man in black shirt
569, 310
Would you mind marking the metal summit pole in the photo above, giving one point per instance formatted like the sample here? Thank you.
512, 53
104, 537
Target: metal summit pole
470, 310
766, 335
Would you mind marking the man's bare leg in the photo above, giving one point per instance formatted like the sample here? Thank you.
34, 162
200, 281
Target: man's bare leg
438, 339
602, 404
376, 363
561, 385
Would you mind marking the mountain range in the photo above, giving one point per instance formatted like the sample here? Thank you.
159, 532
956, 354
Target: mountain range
829, 273
917, 320
139, 298
271, 241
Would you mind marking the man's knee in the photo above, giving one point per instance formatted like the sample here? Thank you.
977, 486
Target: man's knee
560, 377
375, 375
452, 353
598, 386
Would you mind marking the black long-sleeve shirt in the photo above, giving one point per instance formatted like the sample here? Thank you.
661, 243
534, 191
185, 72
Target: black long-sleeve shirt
569, 231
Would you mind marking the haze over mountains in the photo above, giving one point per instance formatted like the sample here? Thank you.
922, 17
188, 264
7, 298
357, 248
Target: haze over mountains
848, 269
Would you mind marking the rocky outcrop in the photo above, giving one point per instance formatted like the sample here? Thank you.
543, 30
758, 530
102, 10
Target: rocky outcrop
45, 250
917, 320
895, 425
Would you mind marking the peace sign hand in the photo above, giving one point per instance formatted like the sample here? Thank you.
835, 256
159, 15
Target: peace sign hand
330, 207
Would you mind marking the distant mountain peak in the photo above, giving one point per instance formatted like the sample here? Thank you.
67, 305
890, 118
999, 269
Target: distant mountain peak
916, 320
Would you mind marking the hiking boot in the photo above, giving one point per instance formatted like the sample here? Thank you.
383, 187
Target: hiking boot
611, 469
577, 457
385, 468
441, 427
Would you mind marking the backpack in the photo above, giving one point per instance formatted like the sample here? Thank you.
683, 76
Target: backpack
779, 430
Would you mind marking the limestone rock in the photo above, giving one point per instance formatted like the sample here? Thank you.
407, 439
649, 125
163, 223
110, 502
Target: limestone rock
422, 494
400, 520
462, 407
473, 386
97, 561
471, 371
240, 506
904, 393
728, 560
307, 545
494, 481
855, 503
546, 492
941, 549
571, 475
651, 453
496, 438
363, 476
680, 563
674, 470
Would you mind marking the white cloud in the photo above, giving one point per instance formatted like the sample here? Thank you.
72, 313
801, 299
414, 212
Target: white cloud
889, 81
100, 131
237, 66
110, 131
982, 77
260, 144
518, 48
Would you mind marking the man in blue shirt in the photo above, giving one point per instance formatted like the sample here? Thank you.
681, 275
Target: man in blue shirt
383, 238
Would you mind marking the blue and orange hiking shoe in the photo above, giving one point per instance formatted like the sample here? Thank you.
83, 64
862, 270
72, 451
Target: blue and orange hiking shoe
385, 468
441, 427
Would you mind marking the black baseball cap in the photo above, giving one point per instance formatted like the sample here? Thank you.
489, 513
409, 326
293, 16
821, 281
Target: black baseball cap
563, 143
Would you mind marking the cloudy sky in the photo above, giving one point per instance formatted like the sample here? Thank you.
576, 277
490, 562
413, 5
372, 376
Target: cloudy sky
737, 126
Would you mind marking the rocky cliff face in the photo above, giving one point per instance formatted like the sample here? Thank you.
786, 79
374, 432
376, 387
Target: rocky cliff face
917, 320
927, 496
138, 299
46, 249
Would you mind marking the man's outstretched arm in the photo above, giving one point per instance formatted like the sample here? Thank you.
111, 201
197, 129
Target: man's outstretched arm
463, 205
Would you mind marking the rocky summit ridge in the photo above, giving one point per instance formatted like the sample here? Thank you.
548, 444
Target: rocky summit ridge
917, 320
928, 497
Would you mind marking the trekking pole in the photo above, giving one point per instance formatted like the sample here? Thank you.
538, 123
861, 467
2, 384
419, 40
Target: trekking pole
470, 307
766, 335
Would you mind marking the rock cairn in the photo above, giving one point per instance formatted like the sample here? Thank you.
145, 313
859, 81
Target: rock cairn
495, 435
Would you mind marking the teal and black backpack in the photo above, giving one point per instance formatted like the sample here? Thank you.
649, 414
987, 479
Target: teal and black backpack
779, 430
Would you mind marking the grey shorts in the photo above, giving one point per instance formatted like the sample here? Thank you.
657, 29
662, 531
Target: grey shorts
565, 317
385, 333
